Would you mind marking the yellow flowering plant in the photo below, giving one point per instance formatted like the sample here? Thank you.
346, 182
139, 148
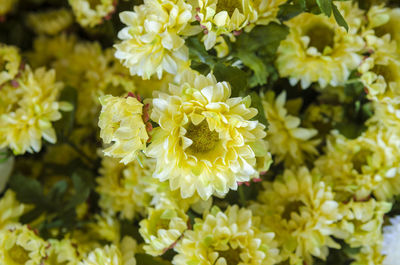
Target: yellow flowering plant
199, 132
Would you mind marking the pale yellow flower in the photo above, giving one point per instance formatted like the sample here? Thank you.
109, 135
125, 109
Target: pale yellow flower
362, 222
20, 245
152, 41
390, 19
62, 252
108, 255
223, 17
121, 124
369, 255
27, 110
162, 228
363, 166
301, 210
90, 13
223, 238
10, 61
206, 141
287, 140
50, 22
10, 209
267, 11
317, 49
6, 6
122, 187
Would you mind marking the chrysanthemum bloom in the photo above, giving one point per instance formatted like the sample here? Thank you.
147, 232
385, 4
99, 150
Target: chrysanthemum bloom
90, 13
152, 41
50, 22
108, 255
20, 245
10, 61
121, 124
368, 255
391, 244
206, 141
223, 17
317, 49
301, 210
363, 166
388, 22
162, 228
361, 223
27, 109
380, 69
267, 11
122, 188
6, 6
287, 140
10, 209
223, 238
62, 252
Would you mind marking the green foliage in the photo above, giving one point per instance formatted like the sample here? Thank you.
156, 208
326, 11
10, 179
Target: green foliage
65, 125
293, 8
57, 203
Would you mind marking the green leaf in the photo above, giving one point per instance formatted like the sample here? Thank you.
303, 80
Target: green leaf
290, 10
145, 259
28, 190
233, 75
339, 18
260, 76
65, 125
325, 6
257, 103
81, 190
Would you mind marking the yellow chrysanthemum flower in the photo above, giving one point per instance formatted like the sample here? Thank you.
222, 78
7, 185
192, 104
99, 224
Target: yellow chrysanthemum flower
362, 222
162, 228
62, 252
101, 75
50, 22
108, 255
301, 210
20, 245
223, 17
10, 61
10, 209
6, 6
363, 166
387, 22
27, 109
289, 142
122, 187
121, 123
223, 238
151, 41
369, 255
90, 13
267, 11
317, 49
206, 141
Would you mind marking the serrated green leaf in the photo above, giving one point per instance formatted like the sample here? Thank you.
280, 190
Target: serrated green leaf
257, 65
339, 18
233, 75
325, 6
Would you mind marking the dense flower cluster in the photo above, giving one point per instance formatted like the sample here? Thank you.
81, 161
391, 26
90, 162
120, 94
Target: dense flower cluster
199, 132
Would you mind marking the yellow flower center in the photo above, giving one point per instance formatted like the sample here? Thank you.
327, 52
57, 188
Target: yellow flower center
321, 36
18, 254
203, 139
292, 207
94, 3
232, 256
385, 71
229, 6
360, 159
